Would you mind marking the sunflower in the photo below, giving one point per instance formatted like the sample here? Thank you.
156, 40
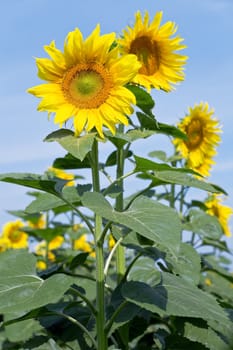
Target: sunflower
202, 131
86, 82
17, 239
82, 244
222, 212
155, 48
62, 175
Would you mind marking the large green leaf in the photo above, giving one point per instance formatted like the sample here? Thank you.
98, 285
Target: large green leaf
188, 264
163, 173
205, 336
204, 224
21, 289
175, 297
151, 219
77, 146
39, 182
47, 201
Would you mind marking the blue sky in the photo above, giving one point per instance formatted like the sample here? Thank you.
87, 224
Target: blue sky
26, 25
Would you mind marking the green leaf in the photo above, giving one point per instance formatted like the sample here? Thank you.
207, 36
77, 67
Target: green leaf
161, 155
219, 285
21, 289
70, 162
144, 164
143, 99
144, 270
112, 158
45, 201
23, 330
204, 336
204, 224
188, 264
39, 182
77, 146
163, 173
174, 297
148, 122
151, 219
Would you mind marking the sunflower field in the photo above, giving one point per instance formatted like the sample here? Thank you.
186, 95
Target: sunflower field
118, 251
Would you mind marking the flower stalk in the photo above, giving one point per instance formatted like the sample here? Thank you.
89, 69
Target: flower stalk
100, 295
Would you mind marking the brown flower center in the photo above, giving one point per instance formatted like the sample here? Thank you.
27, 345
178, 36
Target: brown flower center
194, 132
87, 85
148, 53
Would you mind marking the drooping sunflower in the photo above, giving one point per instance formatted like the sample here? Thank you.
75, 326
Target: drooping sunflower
202, 130
62, 175
86, 82
222, 212
17, 239
156, 49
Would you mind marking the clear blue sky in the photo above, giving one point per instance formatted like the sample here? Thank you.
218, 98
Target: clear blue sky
27, 25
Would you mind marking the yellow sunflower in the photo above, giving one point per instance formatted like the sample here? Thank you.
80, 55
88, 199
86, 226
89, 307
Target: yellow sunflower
62, 175
156, 49
82, 244
12, 232
202, 131
222, 212
86, 82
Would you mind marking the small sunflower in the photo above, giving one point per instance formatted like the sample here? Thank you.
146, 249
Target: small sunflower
202, 131
62, 175
12, 232
86, 82
156, 49
222, 212
83, 245
56, 242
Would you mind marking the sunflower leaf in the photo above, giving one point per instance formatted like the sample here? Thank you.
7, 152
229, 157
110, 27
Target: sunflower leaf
176, 297
76, 146
147, 217
21, 289
143, 99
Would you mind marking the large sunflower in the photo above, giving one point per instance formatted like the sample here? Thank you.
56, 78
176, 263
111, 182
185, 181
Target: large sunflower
202, 131
155, 48
86, 82
222, 212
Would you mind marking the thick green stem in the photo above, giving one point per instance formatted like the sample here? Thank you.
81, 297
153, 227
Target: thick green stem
120, 252
100, 295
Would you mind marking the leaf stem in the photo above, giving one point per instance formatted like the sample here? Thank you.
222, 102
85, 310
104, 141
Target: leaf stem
114, 315
87, 301
80, 325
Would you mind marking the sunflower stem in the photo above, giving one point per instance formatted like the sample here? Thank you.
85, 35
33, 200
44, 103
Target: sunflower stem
99, 241
120, 251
